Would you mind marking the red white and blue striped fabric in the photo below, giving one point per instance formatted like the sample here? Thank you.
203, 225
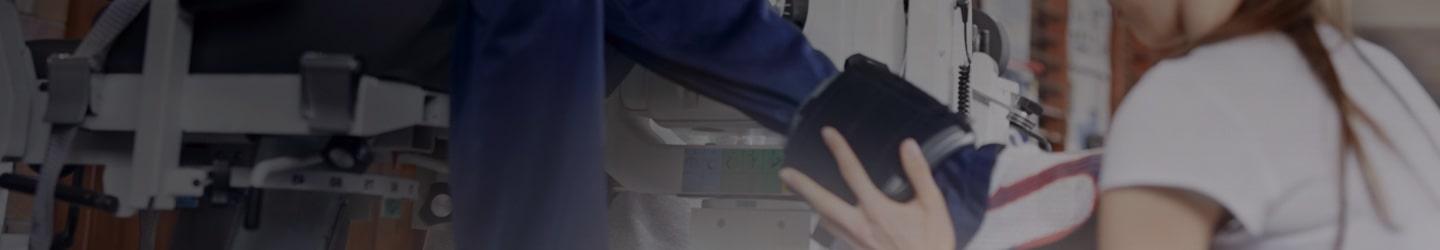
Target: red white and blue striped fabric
1037, 198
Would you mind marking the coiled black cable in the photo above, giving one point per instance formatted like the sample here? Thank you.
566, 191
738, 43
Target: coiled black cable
963, 92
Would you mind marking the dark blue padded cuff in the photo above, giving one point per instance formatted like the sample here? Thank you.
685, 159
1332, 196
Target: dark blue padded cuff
875, 110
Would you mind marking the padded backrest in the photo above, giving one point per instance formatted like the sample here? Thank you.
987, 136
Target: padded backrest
400, 40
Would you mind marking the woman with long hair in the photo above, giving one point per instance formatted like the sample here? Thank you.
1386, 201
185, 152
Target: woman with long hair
1266, 126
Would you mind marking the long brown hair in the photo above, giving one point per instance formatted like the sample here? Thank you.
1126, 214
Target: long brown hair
1297, 19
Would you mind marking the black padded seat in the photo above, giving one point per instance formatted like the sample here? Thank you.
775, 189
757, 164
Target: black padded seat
406, 41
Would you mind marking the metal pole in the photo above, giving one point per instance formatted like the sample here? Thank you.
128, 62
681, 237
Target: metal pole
5, 168
149, 226
157, 134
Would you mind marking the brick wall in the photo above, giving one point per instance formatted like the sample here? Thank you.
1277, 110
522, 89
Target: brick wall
1049, 55
43, 19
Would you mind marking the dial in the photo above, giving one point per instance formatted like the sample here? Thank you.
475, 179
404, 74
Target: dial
441, 206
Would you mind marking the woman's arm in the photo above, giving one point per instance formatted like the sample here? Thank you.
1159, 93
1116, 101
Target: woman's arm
1157, 218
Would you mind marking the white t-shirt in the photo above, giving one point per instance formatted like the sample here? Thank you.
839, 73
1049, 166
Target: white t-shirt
1246, 123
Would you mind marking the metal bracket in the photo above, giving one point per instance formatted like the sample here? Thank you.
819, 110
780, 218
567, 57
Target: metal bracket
329, 181
437, 110
1028, 113
69, 89
329, 84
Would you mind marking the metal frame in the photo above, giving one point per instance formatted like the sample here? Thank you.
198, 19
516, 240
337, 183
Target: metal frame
227, 104
136, 122
154, 167
175, 102
263, 104
335, 182
17, 83
654, 166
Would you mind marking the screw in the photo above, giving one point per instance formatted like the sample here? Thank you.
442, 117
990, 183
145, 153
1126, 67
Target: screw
342, 159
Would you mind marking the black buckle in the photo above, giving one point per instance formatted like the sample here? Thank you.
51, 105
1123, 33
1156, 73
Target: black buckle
329, 84
69, 89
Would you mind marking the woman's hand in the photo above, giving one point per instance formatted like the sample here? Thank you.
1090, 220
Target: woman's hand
878, 222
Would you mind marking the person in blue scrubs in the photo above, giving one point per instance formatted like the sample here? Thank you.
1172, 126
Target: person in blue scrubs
526, 167
526, 161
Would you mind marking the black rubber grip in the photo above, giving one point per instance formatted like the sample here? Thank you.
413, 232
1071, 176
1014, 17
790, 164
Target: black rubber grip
74, 195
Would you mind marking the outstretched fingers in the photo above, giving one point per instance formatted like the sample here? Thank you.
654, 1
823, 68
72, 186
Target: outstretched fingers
921, 179
850, 167
829, 206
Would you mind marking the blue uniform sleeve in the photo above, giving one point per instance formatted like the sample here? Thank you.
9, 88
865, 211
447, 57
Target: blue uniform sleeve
964, 179
526, 123
739, 52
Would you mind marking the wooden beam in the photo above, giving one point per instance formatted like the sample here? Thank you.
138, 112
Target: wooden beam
81, 16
